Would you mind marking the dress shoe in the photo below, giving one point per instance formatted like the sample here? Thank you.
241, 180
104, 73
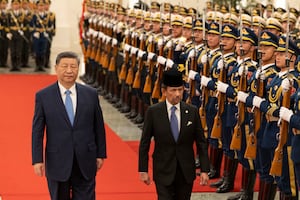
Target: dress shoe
108, 96
132, 114
225, 187
235, 197
15, 69
114, 100
218, 183
213, 174
125, 109
139, 119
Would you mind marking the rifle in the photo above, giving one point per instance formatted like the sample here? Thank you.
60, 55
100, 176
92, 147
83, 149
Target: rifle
236, 140
137, 78
276, 167
122, 74
148, 82
193, 65
113, 58
156, 90
205, 72
129, 77
216, 131
250, 152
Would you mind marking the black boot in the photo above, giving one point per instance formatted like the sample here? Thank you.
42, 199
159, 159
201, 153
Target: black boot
228, 183
248, 192
133, 112
262, 185
225, 173
126, 104
215, 161
268, 192
140, 117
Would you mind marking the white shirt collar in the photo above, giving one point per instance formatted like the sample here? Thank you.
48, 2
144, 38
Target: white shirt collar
169, 106
63, 89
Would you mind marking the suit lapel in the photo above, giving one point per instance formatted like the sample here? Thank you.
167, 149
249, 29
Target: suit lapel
183, 118
79, 102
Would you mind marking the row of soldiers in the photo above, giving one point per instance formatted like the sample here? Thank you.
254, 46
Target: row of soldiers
26, 28
240, 70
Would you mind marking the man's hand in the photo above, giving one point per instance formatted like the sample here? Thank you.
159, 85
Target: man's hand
144, 176
100, 162
204, 178
39, 169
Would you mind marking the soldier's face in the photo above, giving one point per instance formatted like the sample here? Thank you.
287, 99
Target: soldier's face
67, 71
213, 40
268, 52
246, 46
15, 6
173, 94
198, 36
187, 33
3, 5
228, 43
156, 27
281, 59
166, 29
176, 31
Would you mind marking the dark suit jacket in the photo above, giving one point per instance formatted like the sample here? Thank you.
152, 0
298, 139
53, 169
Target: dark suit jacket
85, 139
167, 152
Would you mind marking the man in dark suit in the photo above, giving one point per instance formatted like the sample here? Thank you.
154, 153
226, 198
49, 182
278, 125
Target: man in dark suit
70, 115
173, 157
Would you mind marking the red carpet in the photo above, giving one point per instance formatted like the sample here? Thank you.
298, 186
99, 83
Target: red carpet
118, 179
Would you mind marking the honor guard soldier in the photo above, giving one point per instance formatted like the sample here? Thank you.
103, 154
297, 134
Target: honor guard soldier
226, 107
246, 68
259, 83
15, 34
269, 11
3, 31
154, 7
27, 43
39, 25
51, 31
274, 26
270, 105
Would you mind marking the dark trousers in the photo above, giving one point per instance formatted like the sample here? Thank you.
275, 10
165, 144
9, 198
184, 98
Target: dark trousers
76, 188
178, 190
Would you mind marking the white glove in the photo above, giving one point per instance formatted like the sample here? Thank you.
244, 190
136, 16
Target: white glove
141, 53
242, 96
222, 87
192, 53
178, 47
36, 35
204, 59
150, 39
169, 63
127, 47
257, 101
257, 73
108, 38
192, 74
243, 70
150, 55
115, 28
100, 35
9, 36
47, 35
285, 84
141, 37
285, 114
127, 32
88, 33
21, 32
221, 64
133, 50
161, 60
95, 34
169, 44
204, 80
114, 42
160, 42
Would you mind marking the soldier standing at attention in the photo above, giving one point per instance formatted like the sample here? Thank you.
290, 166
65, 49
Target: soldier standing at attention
51, 30
3, 30
15, 34
39, 23
28, 13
